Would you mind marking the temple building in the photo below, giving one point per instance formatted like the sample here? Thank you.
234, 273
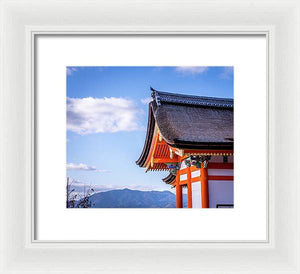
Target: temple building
192, 138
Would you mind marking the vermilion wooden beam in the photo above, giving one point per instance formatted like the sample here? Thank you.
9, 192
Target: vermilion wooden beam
183, 183
211, 166
220, 165
189, 188
195, 179
193, 168
204, 187
178, 192
210, 178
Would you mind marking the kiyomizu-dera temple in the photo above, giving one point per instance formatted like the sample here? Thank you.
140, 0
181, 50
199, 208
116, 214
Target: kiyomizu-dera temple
192, 137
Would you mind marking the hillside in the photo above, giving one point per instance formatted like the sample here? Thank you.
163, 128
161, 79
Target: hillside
126, 198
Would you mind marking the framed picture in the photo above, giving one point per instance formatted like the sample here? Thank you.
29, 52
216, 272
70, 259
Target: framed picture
118, 116
202, 96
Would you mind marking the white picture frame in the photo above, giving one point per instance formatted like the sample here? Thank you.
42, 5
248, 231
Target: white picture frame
22, 21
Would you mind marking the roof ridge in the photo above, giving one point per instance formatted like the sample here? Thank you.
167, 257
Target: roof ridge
176, 98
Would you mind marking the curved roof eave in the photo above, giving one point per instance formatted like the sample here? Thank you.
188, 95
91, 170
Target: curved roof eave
150, 130
169, 179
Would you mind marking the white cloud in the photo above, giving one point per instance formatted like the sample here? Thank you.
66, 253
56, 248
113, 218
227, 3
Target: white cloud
71, 70
227, 73
146, 101
102, 170
72, 166
98, 115
191, 70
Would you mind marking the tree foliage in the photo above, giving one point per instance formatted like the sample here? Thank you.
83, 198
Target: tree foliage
75, 200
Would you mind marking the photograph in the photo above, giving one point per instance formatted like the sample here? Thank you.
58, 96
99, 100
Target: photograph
150, 137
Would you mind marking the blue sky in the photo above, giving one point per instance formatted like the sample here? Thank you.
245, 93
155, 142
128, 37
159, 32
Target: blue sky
107, 109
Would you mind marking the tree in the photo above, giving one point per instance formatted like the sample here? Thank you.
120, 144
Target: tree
77, 200
85, 201
71, 198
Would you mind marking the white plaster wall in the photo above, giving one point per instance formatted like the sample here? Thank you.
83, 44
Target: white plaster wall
183, 177
220, 172
195, 173
196, 195
220, 192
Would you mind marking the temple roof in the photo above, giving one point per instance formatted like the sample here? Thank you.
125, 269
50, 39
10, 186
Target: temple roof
169, 179
189, 122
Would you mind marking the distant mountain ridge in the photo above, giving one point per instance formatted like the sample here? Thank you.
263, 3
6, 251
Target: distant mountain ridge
127, 198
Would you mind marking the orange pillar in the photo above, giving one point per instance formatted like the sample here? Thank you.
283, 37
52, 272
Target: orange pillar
204, 187
189, 188
178, 192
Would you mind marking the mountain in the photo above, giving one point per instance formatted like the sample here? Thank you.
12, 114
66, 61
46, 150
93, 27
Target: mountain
127, 198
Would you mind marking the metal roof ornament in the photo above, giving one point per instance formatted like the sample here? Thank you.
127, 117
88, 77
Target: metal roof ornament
188, 162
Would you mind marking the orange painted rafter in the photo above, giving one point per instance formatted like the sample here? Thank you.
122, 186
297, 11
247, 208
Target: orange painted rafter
157, 166
161, 148
161, 151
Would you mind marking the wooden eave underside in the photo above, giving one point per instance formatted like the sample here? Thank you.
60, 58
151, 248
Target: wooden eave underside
159, 154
